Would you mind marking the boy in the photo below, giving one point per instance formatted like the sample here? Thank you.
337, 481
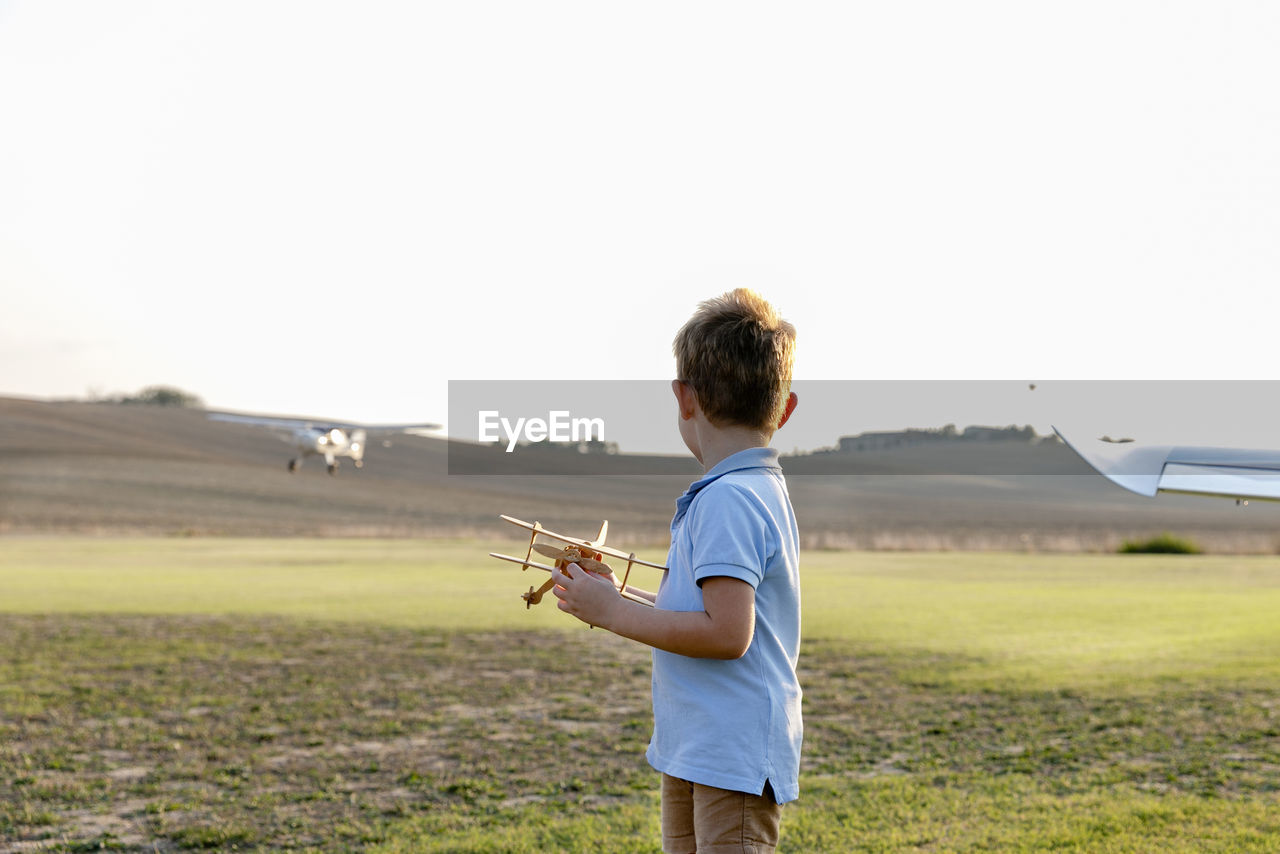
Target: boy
726, 623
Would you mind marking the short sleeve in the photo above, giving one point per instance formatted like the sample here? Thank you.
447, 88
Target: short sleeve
729, 535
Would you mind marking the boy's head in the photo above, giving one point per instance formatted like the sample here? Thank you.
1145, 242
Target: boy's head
736, 353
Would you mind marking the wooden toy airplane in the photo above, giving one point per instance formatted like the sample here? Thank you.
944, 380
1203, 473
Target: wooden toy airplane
582, 552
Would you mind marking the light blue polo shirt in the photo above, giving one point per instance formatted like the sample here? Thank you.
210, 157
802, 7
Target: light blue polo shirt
734, 724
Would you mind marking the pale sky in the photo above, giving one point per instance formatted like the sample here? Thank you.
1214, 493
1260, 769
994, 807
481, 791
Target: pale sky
334, 209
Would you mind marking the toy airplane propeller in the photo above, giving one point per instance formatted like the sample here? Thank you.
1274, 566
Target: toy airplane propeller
585, 553
573, 554
1148, 469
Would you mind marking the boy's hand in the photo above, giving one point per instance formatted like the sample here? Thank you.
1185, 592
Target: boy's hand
606, 573
585, 595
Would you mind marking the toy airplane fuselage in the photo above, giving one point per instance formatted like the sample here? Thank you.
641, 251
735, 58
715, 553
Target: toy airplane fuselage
585, 553
1149, 469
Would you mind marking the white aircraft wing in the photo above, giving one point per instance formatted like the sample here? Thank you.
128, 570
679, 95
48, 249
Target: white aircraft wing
304, 424
278, 423
385, 429
1148, 469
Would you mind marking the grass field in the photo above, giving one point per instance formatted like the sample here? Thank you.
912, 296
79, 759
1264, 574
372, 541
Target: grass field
168, 694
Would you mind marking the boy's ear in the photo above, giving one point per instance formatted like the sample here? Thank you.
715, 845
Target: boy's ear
686, 398
792, 400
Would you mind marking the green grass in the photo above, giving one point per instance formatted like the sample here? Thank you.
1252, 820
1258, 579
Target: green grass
440, 584
1052, 620
394, 696
1123, 623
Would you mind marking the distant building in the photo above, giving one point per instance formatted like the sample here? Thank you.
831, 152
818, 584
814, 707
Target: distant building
999, 434
880, 441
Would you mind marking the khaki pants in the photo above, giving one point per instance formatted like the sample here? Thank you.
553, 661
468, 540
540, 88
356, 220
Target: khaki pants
707, 820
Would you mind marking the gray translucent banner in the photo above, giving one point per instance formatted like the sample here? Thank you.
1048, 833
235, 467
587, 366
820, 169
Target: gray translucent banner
880, 427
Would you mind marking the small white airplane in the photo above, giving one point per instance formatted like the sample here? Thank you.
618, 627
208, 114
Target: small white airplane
328, 439
1148, 469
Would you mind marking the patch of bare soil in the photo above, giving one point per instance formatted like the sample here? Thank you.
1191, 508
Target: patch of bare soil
161, 733
168, 733
113, 469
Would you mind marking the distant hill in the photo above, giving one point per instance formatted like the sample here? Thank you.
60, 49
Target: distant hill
876, 441
103, 468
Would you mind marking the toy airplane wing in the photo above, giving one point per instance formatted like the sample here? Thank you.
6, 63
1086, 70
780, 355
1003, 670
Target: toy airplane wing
320, 424
1148, 469
573, 554
597, 544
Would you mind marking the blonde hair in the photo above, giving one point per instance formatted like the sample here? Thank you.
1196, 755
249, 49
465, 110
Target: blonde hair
737, 354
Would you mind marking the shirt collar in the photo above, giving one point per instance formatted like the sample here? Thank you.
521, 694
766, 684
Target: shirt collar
751, 458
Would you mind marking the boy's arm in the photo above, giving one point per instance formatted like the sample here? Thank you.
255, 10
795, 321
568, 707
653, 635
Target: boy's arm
646, 595
723, 629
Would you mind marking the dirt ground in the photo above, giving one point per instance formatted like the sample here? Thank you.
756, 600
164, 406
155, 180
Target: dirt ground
107, 469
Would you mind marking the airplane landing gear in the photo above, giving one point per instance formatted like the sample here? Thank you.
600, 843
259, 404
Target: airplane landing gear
293, 465
333, 468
